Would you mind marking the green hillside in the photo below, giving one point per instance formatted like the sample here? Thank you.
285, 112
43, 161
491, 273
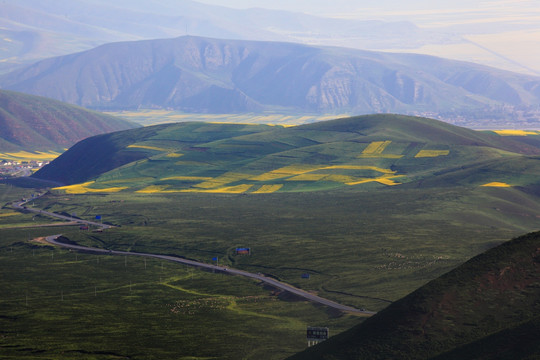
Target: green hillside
352, 153
490, 304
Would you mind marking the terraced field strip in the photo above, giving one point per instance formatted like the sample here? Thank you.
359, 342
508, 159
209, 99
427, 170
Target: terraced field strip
188, 178
300, 172
127, 180
237, 189
496, 184
29, 156
222, 180
267, 189
431, 153
147, 147
284, 172
174, 155
360, 167
376, 147
153, 189
84, 188
516, 132
381, 180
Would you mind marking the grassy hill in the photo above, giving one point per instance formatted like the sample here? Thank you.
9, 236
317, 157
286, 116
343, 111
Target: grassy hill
489, 305
29, 122
352, 153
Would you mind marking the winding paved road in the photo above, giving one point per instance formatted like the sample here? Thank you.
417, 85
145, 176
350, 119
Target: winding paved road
53, 239
21, 206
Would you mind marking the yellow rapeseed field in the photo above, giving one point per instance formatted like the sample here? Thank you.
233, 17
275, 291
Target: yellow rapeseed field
431, 153
516, 132
29, 156
496, 184
127, 180
267, 189
222, 180
376, 147
379, 156
302, 173
188, 178
344, 179
360, 167
308, 177
8, 213
84, 188
375, 150
385, 180
238, 189
286, 171
152, 189
147, 147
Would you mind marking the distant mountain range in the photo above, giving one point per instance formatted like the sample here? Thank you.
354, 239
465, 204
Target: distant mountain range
30, 122
195, 74
487, 308
32, 30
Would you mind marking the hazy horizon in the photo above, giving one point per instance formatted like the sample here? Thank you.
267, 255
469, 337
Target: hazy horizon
502, 33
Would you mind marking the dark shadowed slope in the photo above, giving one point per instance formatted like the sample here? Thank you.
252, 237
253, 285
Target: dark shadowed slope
35, 123
494, 296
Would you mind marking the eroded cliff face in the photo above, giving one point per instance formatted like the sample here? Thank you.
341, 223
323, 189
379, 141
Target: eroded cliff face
211, 75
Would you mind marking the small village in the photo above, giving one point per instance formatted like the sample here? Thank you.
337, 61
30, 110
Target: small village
12, 168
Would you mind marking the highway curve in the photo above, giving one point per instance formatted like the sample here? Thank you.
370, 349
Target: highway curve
275, 283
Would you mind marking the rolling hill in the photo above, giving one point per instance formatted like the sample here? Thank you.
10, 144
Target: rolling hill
30, 122
195, 74
351, 153
487, 308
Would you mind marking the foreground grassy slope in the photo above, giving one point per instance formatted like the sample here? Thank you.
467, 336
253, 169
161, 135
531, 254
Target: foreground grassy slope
492, 292
362, 248
377, 150
36, 123
56, 304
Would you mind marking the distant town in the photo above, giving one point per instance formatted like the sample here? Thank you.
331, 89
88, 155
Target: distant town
12, 168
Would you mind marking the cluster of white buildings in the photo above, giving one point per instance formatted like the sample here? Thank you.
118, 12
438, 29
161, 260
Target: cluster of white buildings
11, 168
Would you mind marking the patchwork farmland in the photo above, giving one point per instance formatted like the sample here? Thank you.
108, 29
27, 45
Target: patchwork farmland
227, 158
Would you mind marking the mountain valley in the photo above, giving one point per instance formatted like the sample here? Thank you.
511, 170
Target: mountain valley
173, 146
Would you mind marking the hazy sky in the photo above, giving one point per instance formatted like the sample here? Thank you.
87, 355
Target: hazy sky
502, 33
421, 11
